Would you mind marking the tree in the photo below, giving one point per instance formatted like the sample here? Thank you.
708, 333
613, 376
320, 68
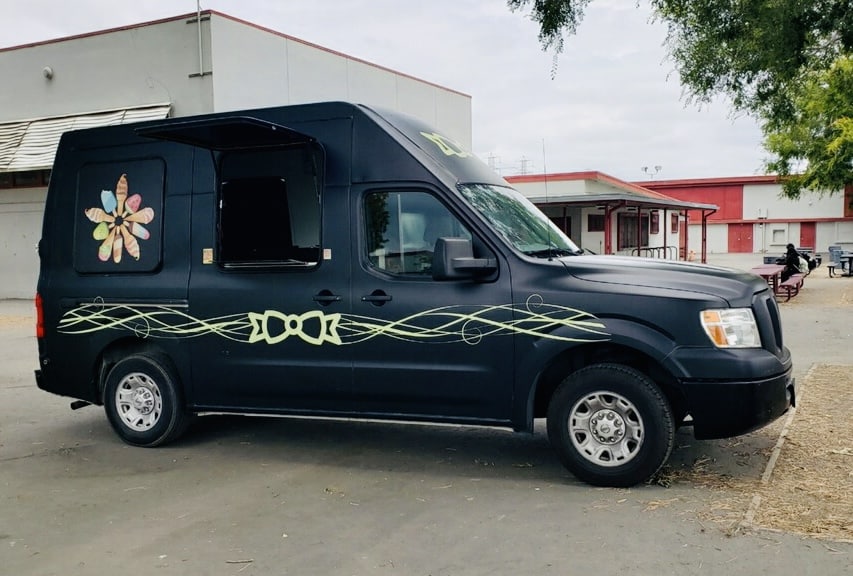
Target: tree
819, 134
555, 17
785, 62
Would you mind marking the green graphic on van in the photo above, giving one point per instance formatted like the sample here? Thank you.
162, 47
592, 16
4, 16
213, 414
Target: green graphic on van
444, 325
119, 222
447, 146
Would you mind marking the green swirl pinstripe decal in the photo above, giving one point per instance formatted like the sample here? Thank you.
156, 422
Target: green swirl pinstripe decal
446, 324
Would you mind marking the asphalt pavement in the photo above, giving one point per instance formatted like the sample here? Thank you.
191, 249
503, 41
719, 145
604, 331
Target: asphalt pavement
259, 496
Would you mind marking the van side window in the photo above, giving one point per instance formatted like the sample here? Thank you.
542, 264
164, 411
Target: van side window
269, 208
118, 220
401, 229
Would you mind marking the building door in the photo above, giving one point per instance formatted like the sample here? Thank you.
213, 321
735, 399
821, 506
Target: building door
740, 238
632, 231
807, 235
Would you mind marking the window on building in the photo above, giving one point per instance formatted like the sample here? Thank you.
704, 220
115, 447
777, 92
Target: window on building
654, 222
595, 222
27, 179
674, 223
564, 223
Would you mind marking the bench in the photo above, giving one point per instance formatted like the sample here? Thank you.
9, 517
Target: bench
791, 286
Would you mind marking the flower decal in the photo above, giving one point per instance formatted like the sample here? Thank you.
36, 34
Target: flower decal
119, 222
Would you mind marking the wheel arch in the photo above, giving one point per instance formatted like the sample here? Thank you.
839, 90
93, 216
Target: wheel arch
122, 348
573, 359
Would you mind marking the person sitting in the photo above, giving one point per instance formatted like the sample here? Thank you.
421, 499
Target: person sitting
792, 262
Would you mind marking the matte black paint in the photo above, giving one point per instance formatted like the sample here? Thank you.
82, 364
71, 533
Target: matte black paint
650, 309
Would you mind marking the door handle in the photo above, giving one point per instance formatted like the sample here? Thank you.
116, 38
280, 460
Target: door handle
377, 298
326, 297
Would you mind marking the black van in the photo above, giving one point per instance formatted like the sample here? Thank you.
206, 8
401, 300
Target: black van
336, 260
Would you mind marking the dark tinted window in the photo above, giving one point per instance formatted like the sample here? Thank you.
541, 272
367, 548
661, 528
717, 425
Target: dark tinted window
119, 217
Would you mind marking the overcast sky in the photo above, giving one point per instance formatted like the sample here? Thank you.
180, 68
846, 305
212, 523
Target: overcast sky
614, 106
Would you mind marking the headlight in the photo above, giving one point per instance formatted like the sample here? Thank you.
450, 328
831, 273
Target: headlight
731, 328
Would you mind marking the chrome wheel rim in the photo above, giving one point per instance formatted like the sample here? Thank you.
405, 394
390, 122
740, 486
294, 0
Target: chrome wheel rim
139, 402
606, 429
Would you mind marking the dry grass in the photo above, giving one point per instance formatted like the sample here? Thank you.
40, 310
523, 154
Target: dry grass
809, 490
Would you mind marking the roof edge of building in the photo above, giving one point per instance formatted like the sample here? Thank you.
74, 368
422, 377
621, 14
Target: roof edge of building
210, 13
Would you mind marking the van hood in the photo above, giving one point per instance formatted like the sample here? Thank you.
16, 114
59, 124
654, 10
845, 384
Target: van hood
727, 283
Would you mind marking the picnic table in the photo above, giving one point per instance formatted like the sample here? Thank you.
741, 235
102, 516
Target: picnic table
772, 273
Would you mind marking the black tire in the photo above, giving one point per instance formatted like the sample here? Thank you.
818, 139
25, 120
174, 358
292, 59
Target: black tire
143, 400
610, 425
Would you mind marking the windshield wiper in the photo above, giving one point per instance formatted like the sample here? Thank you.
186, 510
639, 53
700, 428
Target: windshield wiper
550, 253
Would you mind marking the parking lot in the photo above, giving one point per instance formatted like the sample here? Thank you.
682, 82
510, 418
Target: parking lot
301, 496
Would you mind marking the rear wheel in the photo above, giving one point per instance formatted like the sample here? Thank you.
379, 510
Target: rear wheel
143, 402
610, 425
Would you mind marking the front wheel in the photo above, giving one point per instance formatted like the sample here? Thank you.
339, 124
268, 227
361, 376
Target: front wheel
143, 401
610, 425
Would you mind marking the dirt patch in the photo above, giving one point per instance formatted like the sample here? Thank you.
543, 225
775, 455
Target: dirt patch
808, 487
820, 289
7, 321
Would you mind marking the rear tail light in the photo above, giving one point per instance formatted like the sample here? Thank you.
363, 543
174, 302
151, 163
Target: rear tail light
39, 316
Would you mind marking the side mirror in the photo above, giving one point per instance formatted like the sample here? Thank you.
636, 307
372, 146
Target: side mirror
453, 259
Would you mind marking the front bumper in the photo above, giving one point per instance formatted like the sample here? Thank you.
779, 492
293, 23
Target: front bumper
726, 409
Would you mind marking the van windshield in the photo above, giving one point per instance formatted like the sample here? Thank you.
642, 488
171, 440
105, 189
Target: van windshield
515, 217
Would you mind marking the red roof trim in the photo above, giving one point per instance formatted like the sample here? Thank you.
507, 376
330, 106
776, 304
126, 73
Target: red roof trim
695, 182
588, 175
193, 15
106, 31
595, 175
556, 177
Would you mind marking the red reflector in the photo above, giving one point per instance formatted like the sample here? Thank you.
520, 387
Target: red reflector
39, 317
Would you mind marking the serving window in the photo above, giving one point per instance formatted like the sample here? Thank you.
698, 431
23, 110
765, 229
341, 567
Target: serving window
269, 208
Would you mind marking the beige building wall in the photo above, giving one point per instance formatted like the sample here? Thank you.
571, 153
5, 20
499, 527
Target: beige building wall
116, 69
239, 66
21, 213
272, 69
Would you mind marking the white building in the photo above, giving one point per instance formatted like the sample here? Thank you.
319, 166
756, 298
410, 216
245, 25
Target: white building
174, 67
665, 218
605, 215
